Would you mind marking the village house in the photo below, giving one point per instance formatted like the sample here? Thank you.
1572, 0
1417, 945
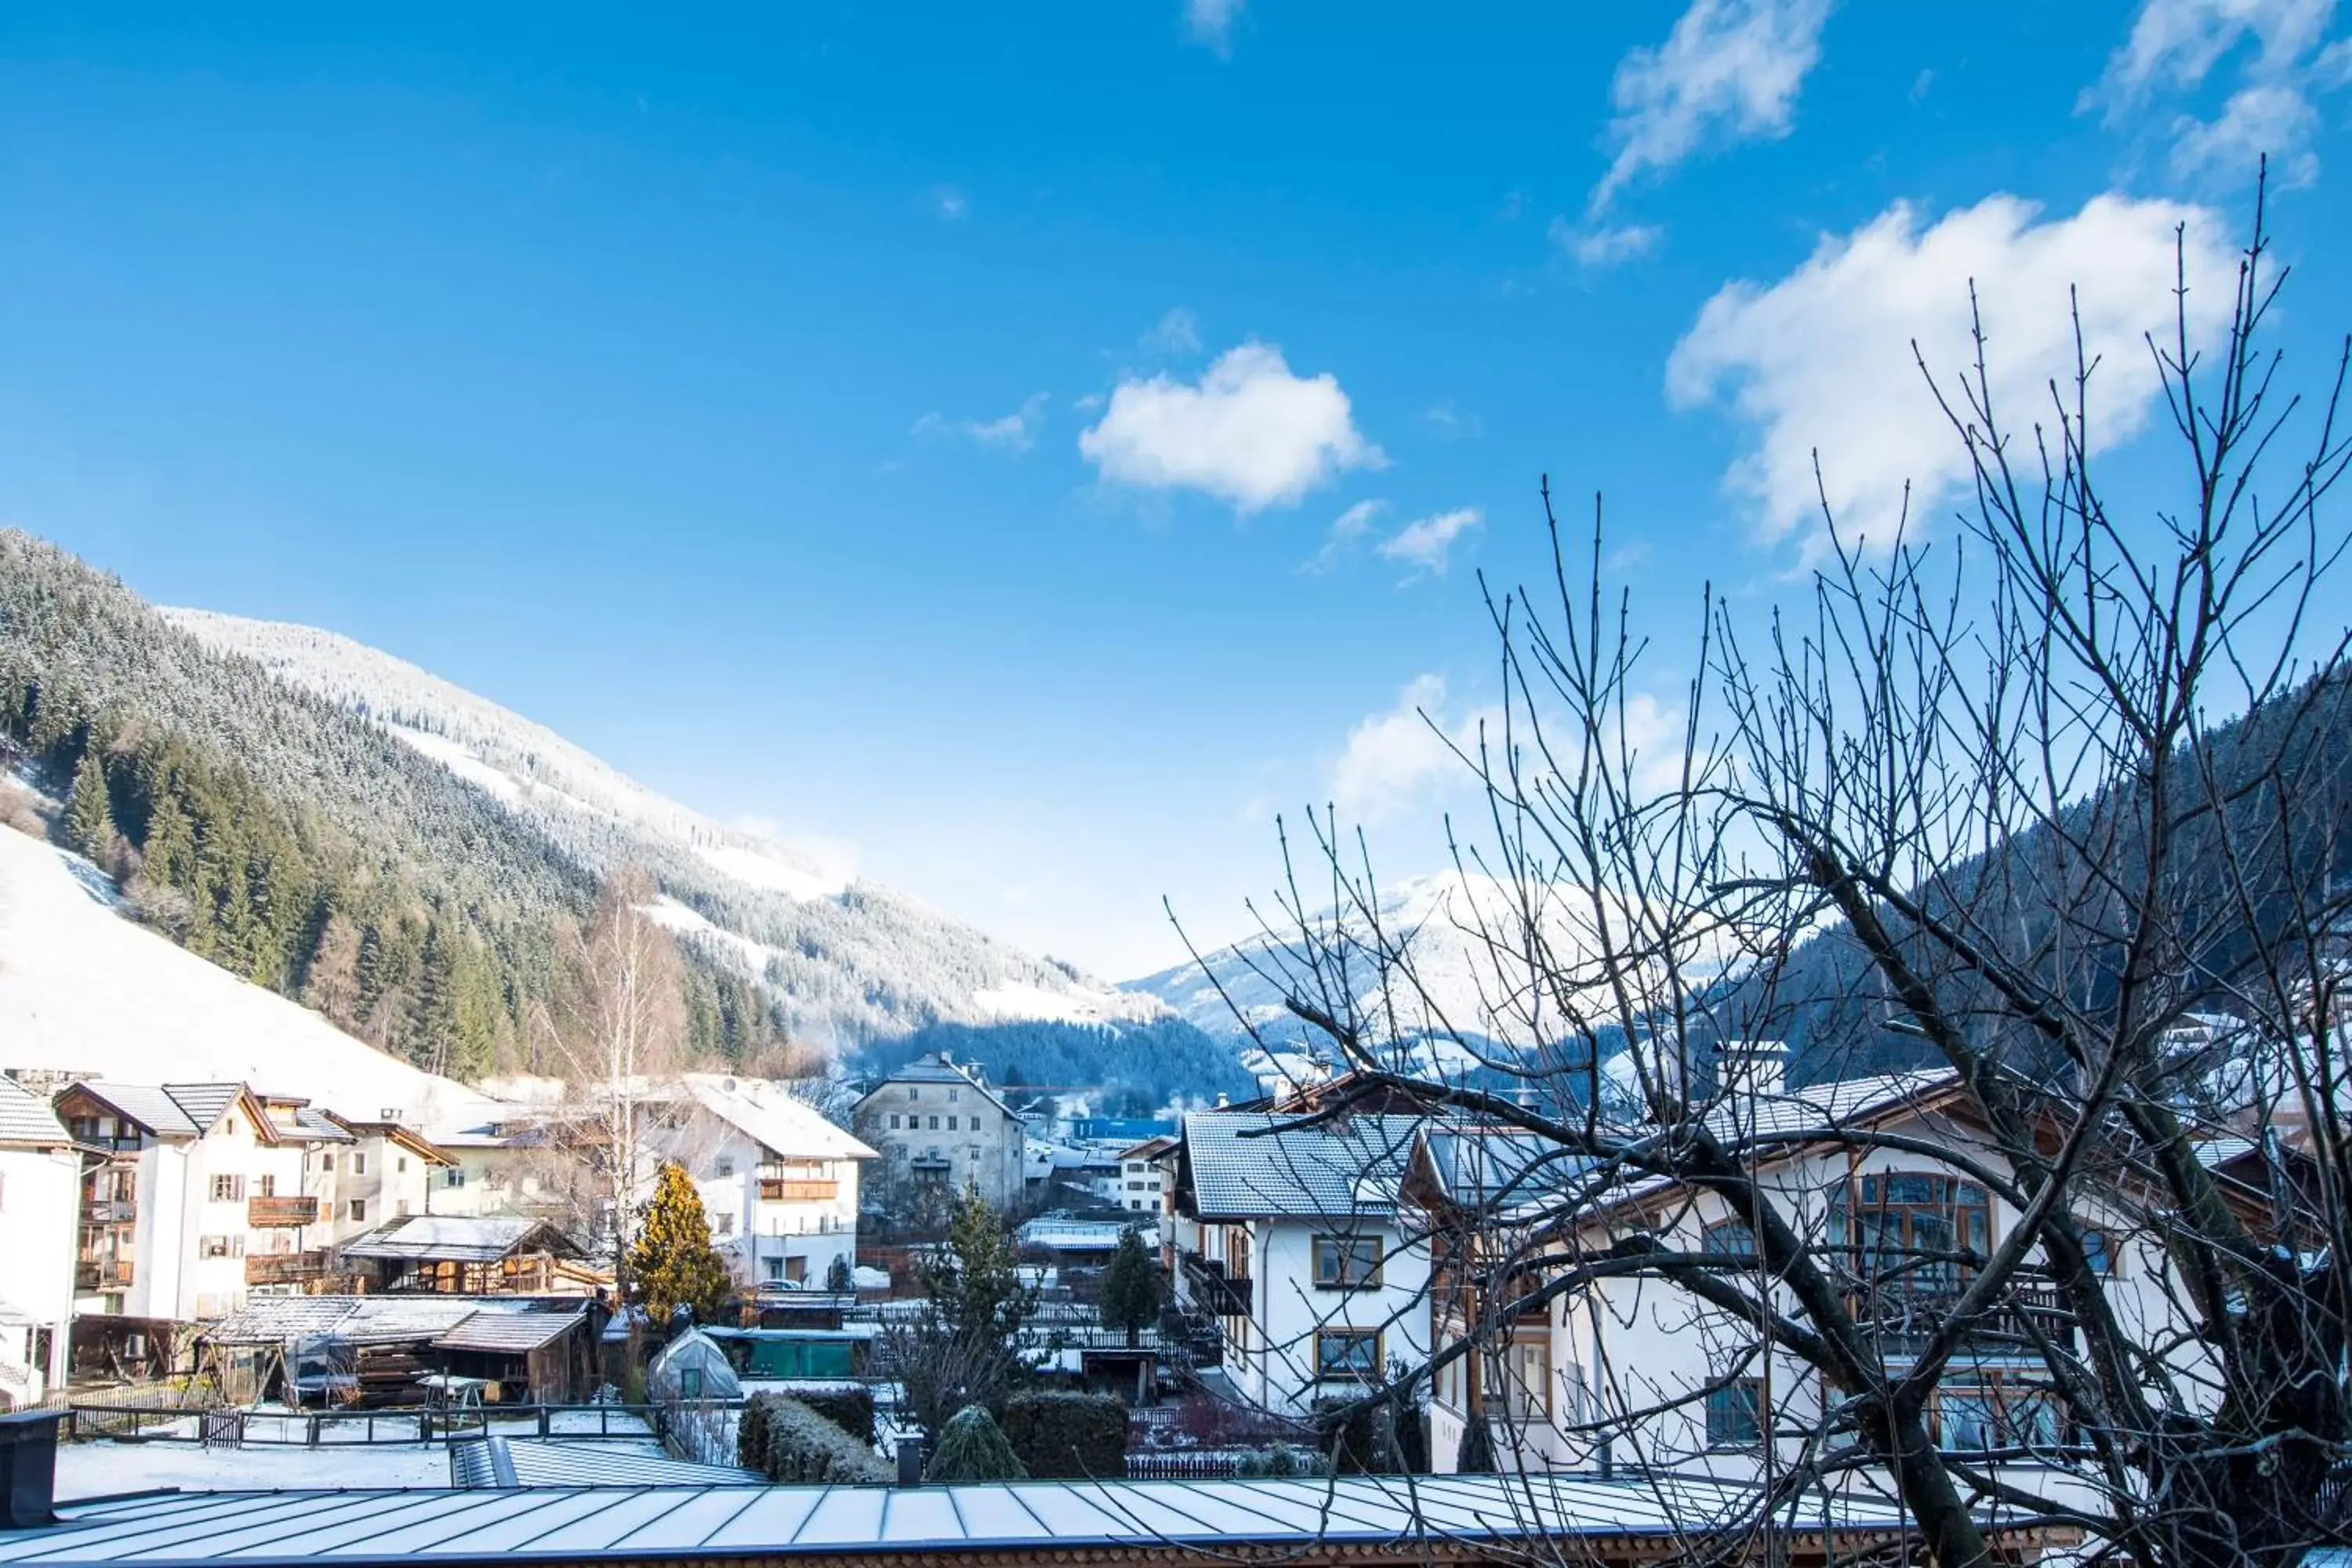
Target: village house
778, 1181
938, 1123
1143, 1179
40, 1207
1632, 1368
1288, 1235
189, 1178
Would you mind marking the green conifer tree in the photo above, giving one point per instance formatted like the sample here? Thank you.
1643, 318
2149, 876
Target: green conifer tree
1130, 1285
972, 1448
975, 1284
672, 1261
89, 816
169, 848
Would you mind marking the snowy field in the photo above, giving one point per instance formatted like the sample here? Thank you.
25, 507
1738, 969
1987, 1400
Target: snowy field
103, 1466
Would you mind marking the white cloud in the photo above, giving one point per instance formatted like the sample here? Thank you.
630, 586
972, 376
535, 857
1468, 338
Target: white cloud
1014, 432
1601, 246
1249, 432
1426, 542
1729, 71
951, 203
1177, 332
1346, 530
1403, 758
2283, 60
1824, 358
1211, 22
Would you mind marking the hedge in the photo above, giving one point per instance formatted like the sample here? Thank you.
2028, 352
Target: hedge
1358, 1438
785, 1440
848, 1405
1068, 1437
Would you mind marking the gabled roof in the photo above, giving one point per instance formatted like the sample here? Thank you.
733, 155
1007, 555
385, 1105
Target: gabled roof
180, 1109
407, 1137
386, 1320
459, 1239
315, 1126
1151, 1148
784, 1126
1242, 1164
509, 1333
940, 1069
27, 1120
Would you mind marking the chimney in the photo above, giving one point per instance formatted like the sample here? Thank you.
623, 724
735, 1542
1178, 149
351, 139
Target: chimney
29, 1468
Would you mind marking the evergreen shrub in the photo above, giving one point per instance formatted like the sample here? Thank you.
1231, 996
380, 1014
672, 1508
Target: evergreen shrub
1068, 1437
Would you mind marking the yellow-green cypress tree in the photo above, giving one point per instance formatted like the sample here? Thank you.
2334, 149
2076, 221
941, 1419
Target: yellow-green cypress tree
673, 1261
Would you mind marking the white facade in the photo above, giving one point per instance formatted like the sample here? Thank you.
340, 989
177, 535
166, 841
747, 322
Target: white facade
779, 1183
40, 1209
1627, 1355
933, 1120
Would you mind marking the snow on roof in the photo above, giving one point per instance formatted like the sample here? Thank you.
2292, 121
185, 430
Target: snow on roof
940, 1068
150, 1105
26, 1117
89, 993
459, 1238
496, 1462
1373, 1514
1248, 1163
509, 1333
779, 1122
1082, 1235
375, 1320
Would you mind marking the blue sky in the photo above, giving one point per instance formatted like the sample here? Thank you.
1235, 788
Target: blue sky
1029, 445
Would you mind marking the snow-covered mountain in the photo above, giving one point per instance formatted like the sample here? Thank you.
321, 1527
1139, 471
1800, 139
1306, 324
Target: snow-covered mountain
85, 992
848, 959
1434, 963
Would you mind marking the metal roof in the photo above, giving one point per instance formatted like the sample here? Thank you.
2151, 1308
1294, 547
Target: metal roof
206, 1103
316, 1126
1256, 1164
459, 1238
499, 1462
786, 1127
373, 1320
26, 1117
509, 1333
689, 1524
149, 1105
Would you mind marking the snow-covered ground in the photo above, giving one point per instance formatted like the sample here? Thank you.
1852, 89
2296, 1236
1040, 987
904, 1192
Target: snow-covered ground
84, 990
102, 1467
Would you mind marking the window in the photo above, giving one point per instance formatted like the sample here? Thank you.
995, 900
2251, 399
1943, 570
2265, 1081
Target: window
690, 1383
265, 1187
914, 1093
455, 1176
1526, 1380
359, 1208
227, 1189
775, 1268
1990, 1411
952, 1096
722, 1225
327, 1163
359, 1164
935, 1125
403, 1166
1907, 1228
1450, 1380
952, 1124
1735, 1414
1350, 1356
1728, 1238
2099, 1250
894, 1121
1347, 1262
220, 1247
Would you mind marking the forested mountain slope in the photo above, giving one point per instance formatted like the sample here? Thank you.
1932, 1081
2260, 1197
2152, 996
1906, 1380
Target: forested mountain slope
405, 858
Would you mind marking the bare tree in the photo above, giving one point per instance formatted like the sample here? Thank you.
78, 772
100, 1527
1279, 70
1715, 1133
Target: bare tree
2027, 839
619, 1033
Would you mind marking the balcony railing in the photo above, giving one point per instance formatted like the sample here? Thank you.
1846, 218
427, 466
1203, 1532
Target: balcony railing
803, 1191
283, 1268
1215, 1291
2030, 1310
101, 1274
265, 1214
108, 1211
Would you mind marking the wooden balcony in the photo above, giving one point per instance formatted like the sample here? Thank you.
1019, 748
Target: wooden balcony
284, 1267
804, 1191
108, 1211
1213, 1291
281, 1214
102, 1274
